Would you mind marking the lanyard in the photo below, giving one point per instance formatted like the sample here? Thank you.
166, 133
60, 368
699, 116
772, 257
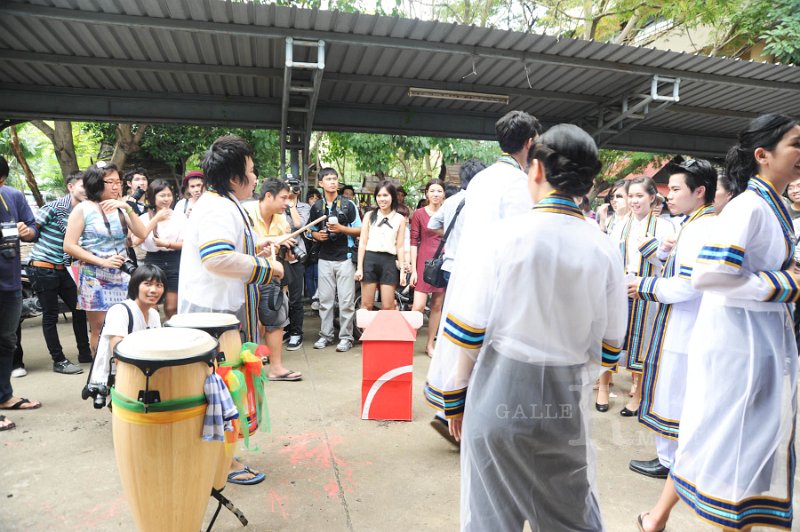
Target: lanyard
3, 200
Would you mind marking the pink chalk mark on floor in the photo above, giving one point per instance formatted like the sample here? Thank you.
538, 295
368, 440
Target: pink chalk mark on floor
311, 448
280, 501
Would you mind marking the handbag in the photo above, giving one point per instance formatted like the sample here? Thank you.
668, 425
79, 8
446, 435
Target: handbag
432, 274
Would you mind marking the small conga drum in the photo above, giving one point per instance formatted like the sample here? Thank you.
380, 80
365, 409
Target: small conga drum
225, 328
166, 468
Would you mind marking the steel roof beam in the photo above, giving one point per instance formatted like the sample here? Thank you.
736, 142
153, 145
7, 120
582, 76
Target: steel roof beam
27, 102
261, 72
93, 17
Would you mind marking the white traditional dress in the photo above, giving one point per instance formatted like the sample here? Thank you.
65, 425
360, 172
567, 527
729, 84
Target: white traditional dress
735, 461
495, 193
220, 271
533, 330
664, 379
640, 244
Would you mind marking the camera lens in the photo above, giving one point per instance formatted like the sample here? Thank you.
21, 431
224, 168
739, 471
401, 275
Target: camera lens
128, 267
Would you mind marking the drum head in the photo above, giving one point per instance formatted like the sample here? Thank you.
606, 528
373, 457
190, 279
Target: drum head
166, 347
214, 323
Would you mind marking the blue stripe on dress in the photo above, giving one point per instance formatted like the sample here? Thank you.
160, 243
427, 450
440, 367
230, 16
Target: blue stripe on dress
215, 248
610, 355
462, 334
750, 512
730, 255
784, 287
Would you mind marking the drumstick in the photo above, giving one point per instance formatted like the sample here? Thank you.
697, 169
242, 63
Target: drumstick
284, 238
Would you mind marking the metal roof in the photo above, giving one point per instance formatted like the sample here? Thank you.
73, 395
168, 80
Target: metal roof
215, 62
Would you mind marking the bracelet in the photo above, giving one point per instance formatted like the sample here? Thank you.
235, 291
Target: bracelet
129, 210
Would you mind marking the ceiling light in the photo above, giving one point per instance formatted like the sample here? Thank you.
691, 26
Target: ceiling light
463, 96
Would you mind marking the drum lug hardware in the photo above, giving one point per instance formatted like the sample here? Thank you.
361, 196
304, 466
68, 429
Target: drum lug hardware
149, 397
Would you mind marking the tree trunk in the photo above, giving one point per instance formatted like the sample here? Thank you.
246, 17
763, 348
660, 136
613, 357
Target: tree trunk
627, 30
127, 143
23, 162
61, 137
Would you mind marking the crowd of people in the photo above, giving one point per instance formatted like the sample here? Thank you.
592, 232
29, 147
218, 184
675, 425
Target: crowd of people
691, 291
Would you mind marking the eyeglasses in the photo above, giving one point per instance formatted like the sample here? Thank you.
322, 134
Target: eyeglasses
113, 182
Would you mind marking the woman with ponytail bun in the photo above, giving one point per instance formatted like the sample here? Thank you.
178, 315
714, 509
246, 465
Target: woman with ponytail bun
734, 465
534, 329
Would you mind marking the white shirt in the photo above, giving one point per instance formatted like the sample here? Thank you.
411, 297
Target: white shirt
215, 266
441, 220
117, 324
170, 230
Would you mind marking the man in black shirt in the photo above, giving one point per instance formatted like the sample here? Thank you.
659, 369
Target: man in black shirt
336, 268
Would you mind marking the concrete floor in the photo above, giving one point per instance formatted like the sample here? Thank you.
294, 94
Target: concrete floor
326, 468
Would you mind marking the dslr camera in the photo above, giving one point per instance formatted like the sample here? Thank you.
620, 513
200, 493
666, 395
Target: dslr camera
294, 184
9, 239
128, 267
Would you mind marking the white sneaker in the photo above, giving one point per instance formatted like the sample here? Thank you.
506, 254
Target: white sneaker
322, 343
19, 372
344, 345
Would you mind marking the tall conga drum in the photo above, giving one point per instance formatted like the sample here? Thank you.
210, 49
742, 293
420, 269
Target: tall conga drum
225, 328
166, 468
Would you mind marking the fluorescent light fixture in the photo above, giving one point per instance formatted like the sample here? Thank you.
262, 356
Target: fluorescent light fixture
463, 96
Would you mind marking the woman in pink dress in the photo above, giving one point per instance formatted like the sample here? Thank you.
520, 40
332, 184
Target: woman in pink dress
423, 246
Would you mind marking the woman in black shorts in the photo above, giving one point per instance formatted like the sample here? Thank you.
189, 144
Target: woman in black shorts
165, 238
380, 248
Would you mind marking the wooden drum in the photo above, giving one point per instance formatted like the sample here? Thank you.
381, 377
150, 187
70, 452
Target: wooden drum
167, 470
225, 328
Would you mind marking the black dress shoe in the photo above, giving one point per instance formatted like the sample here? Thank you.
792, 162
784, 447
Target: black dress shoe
628, 413
601, 408
649, 468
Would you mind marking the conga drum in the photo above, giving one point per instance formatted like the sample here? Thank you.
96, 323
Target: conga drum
225, 328
166, 468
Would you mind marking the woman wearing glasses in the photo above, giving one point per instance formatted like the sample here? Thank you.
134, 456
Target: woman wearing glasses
96, 235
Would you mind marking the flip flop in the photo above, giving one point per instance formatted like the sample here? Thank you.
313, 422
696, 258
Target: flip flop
286, 377
257, 477
18, 405
10, 425
640, 521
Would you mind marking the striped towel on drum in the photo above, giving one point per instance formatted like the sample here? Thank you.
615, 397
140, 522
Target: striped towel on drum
220, 410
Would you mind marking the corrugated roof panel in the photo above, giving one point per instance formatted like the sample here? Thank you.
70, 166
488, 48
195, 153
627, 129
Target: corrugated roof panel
400, 63
433, 66
24, 76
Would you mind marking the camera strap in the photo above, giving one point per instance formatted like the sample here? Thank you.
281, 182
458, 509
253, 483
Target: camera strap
449, 228
122, 222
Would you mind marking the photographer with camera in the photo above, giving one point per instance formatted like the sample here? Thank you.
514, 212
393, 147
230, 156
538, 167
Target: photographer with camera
16, 223
97, 231
270, 224
297, 214
136, 182
136, 313
336, 260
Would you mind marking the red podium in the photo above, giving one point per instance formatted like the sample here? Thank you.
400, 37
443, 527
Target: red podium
388, 348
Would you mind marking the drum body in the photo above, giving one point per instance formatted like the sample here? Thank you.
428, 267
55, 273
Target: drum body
166, 468
225, 328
